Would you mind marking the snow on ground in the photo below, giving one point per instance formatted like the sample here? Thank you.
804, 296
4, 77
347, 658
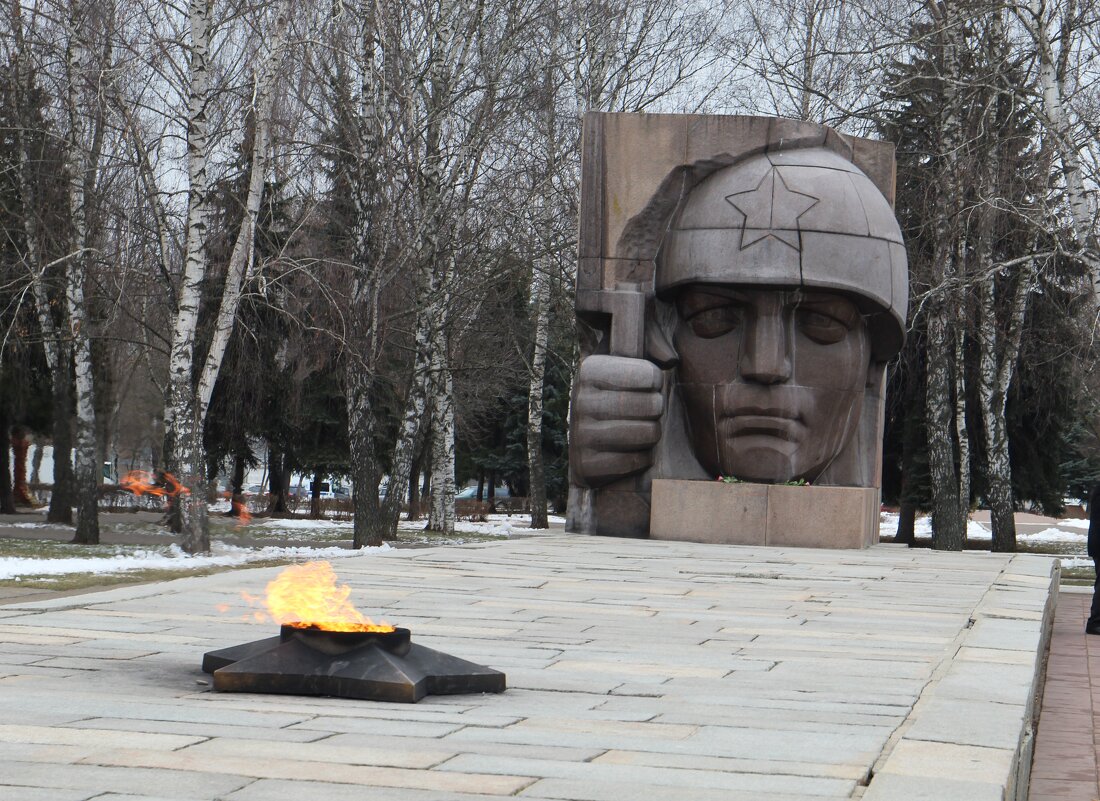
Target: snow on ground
301, 524
494, 526
122, 559
1074, 523
168, 558
922, 528
1054, 535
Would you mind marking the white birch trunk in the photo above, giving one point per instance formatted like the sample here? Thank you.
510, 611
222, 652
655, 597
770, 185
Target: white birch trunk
57, 350
415, 405
241, 258
442, 513
364, 472
998, 348
948, 527
808, 59
998, 471
434, 94
359, 372
962, 434
183, 435
948, 532
152, 193
1037, 17
999, 355
76, 163
535, 469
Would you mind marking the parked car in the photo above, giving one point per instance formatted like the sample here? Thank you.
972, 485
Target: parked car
325, 490
470, 493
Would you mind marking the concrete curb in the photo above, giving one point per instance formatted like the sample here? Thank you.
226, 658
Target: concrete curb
971, 735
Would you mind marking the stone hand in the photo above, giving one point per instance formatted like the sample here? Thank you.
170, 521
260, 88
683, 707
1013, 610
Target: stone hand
616, 418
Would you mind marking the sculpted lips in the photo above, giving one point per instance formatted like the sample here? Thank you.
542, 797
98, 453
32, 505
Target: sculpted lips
771, 422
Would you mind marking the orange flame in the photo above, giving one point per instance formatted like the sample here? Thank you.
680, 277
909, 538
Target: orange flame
141, 482
307, 596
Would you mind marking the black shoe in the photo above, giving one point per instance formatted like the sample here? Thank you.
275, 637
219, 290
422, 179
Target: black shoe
1092, 629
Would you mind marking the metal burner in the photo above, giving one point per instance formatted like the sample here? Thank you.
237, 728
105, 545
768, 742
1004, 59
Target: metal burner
376, 666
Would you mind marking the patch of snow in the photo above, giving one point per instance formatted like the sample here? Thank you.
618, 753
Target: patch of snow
922, 528
974, 530
1070, 522
1053, 535
495, 525
513, 519
492, 528
888, 524
172, 558
300, 523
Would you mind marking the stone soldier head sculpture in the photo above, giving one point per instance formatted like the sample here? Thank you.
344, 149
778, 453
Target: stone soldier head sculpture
751, 343
780, 274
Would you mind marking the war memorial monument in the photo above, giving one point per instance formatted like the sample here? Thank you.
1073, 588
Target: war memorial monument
743, 283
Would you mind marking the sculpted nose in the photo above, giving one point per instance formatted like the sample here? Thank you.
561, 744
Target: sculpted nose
765, 355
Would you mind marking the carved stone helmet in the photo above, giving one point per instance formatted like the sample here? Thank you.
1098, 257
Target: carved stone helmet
806, 217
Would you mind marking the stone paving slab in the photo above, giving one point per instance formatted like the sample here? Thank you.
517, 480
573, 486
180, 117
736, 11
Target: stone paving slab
636, 669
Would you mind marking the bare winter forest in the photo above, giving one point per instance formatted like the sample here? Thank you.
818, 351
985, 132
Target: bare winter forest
346, 231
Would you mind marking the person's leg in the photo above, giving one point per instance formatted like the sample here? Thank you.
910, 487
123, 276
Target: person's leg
1093, 625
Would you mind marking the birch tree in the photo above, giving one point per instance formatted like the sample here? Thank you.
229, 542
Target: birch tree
365, 473
929, 88
181, 424
186, 404
444, 55
813, 60
977, 248
622, 56
58, 352
541, 303
998, 345
1056, 31
439, 78
81, 157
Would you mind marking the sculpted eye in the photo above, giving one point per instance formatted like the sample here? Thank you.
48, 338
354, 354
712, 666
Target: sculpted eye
716, 321
822, 327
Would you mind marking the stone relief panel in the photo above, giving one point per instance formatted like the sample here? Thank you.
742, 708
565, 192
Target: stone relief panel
742, 285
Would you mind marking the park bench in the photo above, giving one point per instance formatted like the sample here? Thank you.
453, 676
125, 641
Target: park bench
511, 506
477, 511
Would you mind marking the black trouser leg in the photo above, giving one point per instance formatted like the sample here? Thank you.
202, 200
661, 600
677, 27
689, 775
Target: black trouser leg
1093, 626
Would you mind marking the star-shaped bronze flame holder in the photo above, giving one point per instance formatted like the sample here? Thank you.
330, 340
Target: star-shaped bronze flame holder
375, 666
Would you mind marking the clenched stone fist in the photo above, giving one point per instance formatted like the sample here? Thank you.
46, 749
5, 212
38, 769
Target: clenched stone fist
616, 418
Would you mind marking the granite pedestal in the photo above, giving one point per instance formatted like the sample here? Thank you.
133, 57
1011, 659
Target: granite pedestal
764, 514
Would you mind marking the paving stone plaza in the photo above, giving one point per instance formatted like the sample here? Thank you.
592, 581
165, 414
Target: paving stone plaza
665, 671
